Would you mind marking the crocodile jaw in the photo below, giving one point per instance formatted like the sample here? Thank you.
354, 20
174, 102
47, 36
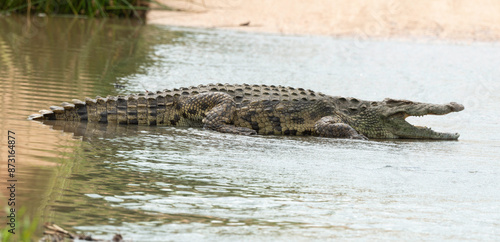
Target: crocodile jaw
394, 112
404, 130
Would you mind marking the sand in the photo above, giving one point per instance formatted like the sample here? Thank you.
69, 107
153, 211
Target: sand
442, 19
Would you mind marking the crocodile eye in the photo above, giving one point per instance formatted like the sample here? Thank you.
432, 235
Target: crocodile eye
354, 100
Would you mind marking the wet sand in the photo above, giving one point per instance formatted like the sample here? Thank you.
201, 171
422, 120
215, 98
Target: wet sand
441, 19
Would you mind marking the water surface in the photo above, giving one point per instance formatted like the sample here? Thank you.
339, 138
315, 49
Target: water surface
153, 183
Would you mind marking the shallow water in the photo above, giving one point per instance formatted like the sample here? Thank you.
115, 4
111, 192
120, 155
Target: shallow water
157, 183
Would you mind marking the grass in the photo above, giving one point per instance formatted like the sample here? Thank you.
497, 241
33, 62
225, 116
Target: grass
90, 8
25, 228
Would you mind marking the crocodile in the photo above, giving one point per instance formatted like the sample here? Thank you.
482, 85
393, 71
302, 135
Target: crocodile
259, 109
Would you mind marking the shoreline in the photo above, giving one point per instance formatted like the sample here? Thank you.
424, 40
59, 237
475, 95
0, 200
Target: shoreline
427, 19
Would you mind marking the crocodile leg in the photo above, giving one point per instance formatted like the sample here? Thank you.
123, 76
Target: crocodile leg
333, 127
217, 111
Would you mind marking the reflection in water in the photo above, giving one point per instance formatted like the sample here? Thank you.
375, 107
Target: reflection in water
171, 179
149, 183
44, 61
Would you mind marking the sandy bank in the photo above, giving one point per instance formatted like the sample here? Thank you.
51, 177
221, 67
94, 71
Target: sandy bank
448, 19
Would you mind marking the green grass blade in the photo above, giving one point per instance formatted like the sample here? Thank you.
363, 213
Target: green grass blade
73, 9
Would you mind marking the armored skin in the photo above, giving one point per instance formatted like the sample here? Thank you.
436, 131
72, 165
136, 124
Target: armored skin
259, 109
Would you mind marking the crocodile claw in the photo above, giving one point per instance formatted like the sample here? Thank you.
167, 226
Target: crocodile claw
246, 131
359, 136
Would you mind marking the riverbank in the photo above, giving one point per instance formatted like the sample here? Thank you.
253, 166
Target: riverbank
96, 8
442, 19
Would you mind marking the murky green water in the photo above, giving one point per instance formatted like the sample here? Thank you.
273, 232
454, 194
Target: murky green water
157, 184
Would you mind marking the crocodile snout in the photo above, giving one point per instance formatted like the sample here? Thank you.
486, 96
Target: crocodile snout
455, 107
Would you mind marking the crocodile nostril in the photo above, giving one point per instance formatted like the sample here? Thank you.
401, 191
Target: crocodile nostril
455, 107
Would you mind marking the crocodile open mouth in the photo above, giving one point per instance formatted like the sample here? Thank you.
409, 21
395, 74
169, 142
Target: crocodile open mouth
405, 130
396, 112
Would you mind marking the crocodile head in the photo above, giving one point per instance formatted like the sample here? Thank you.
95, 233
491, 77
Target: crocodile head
386, 119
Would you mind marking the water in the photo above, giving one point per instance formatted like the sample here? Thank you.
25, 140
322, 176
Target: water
158, 183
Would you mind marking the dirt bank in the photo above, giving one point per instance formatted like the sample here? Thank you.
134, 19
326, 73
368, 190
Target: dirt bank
447, 19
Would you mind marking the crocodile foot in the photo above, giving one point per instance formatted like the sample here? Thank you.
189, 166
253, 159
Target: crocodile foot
245, 131
330, 127
359, 136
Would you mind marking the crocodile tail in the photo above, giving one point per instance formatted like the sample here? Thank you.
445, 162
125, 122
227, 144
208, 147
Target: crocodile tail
75, 111
92, 110
143, 109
